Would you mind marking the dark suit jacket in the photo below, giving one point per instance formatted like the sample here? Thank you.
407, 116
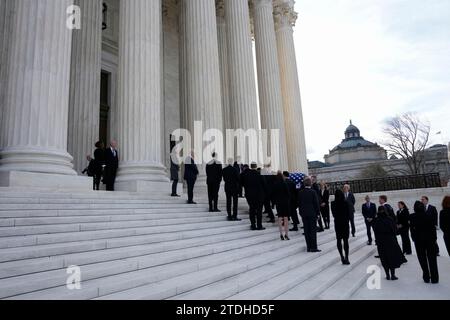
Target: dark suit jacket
370, 212
293, 192
351, 201
231, 178
112, 164
403, 218
325, 197
432, 211
174, 169
308, 203
213, 173
423, 229
190, 170
444, 220
254, 186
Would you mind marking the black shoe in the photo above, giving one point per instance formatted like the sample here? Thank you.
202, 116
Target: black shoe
346, 262
320, 230
377, 257
315, 250
369, 243
286, 238
211, 210
302, 227
434, 281
438, 255
426, 280
394, 278
236, 219
281, 237
388, 277
229, 218
253, 228
175, 195
353, 235
216, 210
261, 228
303, 234
294, 229
191, 202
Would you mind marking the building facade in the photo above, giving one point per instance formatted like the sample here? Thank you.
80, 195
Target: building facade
350, 159
134, 71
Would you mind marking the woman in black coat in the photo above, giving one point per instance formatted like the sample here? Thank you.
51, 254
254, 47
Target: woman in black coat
423, 232
99, 161
391, 255
341, 213
403, 227
325, 205
281, 198
444, 219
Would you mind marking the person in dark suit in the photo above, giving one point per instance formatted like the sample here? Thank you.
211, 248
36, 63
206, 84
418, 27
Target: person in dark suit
423, 233
99, 162
369, 211
269, 179
403, 227
190, 176
351, 201
341, 214
315, 186
111, 165
309, 208
213, 180
325, 205
231, 178
444, 221
388, 248
240, 168
293, 200
431, 211
253, 183
281, 197
389, 210
174, 176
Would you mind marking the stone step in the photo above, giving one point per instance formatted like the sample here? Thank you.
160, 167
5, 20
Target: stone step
314, 286
19, 253
170, 240
232, 286
116, 236
80, 227
277, 285
150, 270
345, 287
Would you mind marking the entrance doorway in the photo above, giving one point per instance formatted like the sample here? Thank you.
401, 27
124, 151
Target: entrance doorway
104, 107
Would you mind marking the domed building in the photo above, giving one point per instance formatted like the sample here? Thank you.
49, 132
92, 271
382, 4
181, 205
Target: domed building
354, 148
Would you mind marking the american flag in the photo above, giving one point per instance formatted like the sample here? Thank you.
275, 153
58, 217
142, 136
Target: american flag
297, 178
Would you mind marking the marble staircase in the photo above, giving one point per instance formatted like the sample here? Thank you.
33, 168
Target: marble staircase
133, 246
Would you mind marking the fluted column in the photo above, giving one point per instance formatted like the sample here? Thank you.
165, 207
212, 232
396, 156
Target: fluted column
223, 60
84, 102
202, 64
269, 82
5, 15
285, 18
139, 109
34, 127
243, 101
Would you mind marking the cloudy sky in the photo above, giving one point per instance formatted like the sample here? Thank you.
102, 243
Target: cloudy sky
369, 60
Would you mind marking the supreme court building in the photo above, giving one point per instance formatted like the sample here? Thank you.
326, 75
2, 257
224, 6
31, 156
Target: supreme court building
135, 71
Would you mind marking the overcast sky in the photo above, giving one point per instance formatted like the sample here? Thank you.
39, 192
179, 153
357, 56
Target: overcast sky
368, 60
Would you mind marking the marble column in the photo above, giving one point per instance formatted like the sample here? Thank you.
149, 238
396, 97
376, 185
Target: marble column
34, 128
243, 101
5, 19
269, 82
139, 109
285, 18
223, 60
84, 102
203, 97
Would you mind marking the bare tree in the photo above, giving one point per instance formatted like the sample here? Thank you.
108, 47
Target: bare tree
408, 138
372, 171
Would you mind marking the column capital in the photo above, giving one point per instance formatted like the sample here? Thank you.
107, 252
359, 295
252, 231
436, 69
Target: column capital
284, 14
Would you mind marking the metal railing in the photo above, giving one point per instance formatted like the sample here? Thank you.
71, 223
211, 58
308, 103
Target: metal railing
430, 180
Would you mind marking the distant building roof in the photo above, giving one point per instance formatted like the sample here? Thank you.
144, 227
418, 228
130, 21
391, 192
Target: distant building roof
353, 139
316, 164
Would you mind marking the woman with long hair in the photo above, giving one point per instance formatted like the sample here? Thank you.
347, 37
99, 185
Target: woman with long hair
99, 161
444, 219
391, 255
341, 214
403, 227
423, 232
281, 197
